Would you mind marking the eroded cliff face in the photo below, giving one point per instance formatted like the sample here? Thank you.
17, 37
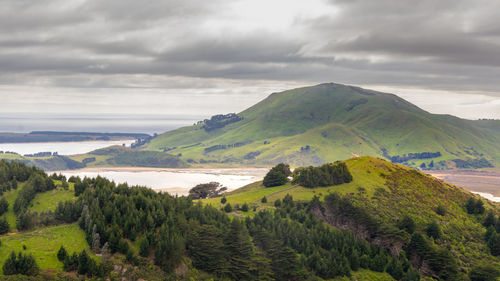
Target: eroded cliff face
338, 220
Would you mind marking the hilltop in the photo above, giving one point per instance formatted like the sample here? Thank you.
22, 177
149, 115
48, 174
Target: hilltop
328, 122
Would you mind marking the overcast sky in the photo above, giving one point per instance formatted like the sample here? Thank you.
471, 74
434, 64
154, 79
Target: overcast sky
184, 60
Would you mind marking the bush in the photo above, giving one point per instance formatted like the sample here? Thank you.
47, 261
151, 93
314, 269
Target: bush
223, 200
440, 210
433, 230
244, 208
228, 208
277, 203
263, 200
407, 224
474, 206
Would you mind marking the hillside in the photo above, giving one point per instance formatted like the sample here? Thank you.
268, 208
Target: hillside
95, 229
328, 122
388, 222
375, 204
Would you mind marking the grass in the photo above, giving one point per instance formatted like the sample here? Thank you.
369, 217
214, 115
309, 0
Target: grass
11, 196
368, 178
366, 275
48, 201
44, 243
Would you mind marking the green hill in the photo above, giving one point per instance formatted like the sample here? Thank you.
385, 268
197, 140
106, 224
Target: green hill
389, 222
374, 205
328, 122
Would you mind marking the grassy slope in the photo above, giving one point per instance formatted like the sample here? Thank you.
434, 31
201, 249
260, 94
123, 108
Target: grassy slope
48, 201
44, 243
390, 191
11, 198
318, 116
364, 274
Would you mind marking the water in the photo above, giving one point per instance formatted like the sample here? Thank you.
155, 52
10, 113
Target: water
488, 196
63, 148
174, 181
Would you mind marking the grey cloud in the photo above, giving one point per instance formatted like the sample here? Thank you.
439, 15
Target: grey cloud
451, 45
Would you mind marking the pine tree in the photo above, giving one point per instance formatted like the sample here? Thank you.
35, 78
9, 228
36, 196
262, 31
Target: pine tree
9, 267
144, 247
490, 220
4, 206
83, 262
207, 250
244, 208
62, 254
4, 226
240, 251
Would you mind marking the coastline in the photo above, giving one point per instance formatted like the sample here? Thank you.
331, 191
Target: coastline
232, 171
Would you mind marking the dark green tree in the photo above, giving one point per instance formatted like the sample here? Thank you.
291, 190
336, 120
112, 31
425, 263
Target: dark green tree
407, 224
62, 254
4, 226
244, 208
239, 249
4, 206
207, 250
490, 220
83, 263
441, 210
433, 230
484, 272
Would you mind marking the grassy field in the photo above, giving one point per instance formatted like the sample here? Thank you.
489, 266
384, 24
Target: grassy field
11, 198
363, 274
48, 201
44, 244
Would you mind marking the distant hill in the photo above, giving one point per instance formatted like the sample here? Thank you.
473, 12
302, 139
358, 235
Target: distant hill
328, 122
53, 136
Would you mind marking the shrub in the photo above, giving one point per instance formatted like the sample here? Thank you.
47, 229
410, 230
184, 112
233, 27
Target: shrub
440, 210
244, 208
433, 230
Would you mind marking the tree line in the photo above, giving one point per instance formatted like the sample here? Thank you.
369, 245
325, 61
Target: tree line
324, 175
